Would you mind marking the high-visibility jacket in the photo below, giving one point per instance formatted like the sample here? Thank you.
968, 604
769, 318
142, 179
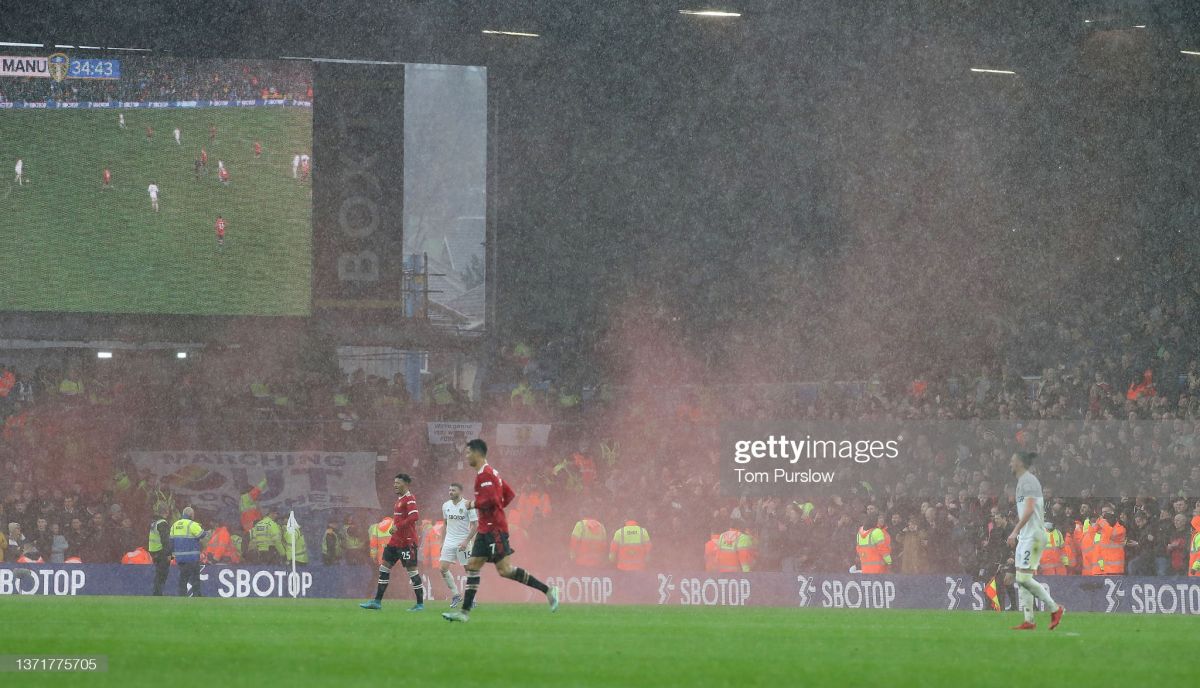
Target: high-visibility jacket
378, 534
155, 543
1194, 559
587, 542
630, 547
137, 556
430, 550
266, 535
1070, 553
220, 547
248, 504
535, 503
185, 540
874, 550
1053, 562
301, 548
735, 552
1089, 553
710, 552
1110, 543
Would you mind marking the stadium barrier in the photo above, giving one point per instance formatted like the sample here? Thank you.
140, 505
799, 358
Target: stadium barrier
1135, 595
152, 104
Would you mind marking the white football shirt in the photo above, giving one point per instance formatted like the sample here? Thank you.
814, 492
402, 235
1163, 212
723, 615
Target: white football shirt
458, 520
1029, 486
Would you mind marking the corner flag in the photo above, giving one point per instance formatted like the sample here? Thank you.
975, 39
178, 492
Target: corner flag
294, 578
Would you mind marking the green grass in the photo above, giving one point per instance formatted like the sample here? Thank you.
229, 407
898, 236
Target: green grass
67, 244
273, 642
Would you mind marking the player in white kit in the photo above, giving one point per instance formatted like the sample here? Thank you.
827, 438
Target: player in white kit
1029, 537
177, 141
461, 524
295, 166
121, 119
153, 191
20, 170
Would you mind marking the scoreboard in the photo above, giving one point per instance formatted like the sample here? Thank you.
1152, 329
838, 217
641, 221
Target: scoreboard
60, 66
94, 69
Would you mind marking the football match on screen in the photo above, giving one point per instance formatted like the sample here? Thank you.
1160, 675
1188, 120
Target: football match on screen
632, 343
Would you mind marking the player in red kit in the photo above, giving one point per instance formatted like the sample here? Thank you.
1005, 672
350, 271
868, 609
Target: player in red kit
212, 133
401, 547
149, 134
107, 178
220, 231
204, 159
491, 540
258, 149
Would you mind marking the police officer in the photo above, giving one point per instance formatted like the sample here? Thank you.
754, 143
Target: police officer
186, 535
160, 550
266, 541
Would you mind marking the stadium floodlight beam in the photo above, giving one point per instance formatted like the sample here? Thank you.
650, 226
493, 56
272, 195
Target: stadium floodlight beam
984, 70
181, 355
1139, 26
103, 354
90, 47
518, 34
132, 50
17, 44
1191, 52
58, 45
711, 13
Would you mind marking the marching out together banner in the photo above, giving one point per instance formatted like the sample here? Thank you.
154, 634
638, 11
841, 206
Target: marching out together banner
215, 480
1134, 595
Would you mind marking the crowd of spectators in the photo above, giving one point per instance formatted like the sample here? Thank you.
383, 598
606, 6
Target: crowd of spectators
1114, 417
164, 79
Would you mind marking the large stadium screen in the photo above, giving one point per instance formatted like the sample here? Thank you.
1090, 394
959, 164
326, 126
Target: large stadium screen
151, 185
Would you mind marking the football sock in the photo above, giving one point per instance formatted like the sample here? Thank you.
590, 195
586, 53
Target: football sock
385, 575
418, 588
472, 588
1026, 581
522, 576
449, 578
1026, 604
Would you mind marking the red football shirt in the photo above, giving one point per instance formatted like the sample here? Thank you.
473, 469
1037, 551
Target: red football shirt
405, 520
221, 227
107, 176
491, 496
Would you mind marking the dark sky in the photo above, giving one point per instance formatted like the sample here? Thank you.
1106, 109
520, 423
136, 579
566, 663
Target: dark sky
808, 162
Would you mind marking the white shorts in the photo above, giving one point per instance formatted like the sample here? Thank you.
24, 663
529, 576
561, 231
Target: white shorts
451, 553
1029, 552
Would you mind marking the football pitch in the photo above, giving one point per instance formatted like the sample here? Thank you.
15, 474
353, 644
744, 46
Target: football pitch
69, 244
272, 642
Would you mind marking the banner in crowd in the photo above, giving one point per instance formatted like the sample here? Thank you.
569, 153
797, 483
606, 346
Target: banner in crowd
446, 432
522, 434
1134, 595
215, 480
153, 105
